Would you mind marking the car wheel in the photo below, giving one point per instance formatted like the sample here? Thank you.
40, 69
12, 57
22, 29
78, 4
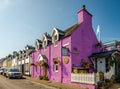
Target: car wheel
9, 77
21, 77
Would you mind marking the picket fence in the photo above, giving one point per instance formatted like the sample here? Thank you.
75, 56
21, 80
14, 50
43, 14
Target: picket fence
90, 78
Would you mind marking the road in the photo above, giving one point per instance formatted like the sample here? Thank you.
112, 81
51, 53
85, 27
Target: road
6, 83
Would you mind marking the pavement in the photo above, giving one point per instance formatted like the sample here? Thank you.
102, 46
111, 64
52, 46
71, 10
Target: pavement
6, 83
115, 86
56, 85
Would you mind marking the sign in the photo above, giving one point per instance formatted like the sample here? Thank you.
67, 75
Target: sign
65, 51
66, 60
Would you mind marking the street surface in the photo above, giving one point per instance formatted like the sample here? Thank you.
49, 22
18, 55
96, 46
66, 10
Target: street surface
6, 83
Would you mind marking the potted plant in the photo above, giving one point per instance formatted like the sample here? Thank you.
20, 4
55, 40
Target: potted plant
38, 63
56, 61
31, 64
85, 64
101, 85
107, 81
112, 62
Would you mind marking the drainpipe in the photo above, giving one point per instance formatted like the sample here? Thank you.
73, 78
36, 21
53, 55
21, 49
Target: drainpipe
49, 69
61, 65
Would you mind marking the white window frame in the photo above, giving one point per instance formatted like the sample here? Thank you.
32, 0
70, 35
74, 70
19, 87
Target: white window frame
55, 33
45, 42
55, 67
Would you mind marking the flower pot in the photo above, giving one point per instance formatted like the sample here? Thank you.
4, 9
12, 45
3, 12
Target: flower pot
108, 84
101, 87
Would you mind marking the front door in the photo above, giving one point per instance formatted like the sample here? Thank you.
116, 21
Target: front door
22, 68
101, 65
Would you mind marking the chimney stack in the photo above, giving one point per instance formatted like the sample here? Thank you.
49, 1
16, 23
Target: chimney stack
84, 16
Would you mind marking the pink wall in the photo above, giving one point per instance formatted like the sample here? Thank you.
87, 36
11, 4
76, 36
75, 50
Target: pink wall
66, 70
55, 53
52, 52
84, 39
38, 70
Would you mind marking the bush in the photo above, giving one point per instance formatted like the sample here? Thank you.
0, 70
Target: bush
107, 80
101, 84
43, 77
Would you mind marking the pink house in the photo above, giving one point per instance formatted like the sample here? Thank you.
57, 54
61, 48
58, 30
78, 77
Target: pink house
63, 52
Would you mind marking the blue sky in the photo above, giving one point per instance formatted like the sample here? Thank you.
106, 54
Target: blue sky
23, 21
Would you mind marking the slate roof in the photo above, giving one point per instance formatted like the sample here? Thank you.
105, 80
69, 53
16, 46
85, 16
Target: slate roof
78, 67
39, 41
48, 36
70, 30
60, 31
102, 54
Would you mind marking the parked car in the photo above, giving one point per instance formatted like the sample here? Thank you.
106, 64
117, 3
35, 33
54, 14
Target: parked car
4, 71
13, 73
1, 71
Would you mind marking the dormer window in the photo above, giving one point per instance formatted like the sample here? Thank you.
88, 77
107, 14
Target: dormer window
44, 41
55, 39
38, 44
56, 35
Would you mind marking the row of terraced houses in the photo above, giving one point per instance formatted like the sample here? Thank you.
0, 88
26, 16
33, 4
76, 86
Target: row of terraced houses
75, 55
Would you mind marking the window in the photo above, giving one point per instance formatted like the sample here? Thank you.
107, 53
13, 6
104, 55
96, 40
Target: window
65, 51
56, 67
55, 39
44, 41
44, 44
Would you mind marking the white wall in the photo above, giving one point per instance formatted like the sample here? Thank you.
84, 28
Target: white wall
14, 62
4, 63
101, 65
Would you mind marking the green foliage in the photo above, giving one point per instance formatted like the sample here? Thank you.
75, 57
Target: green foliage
43, 77
107, 80
101, 84
112, 62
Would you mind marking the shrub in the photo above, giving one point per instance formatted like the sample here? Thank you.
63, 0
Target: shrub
45, 78
101, 84
107, 80
112, 62
41, 77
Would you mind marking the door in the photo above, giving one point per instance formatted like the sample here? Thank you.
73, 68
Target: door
101, 65
22, 68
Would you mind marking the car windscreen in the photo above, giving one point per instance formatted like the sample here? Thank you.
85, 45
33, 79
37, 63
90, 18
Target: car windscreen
14, 70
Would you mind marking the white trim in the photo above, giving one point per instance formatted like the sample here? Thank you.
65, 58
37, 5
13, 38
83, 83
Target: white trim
66, 44
39, 58
44, 39
56, 65
27, 60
